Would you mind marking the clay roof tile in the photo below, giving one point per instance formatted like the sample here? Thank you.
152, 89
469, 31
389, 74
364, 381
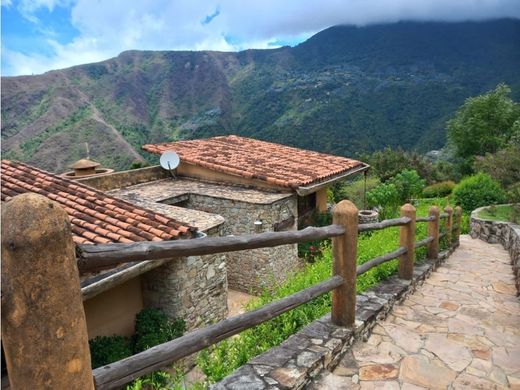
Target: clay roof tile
95, 216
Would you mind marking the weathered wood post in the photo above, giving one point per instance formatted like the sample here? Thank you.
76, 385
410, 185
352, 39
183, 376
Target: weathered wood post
433, 231
44, 331
458, 222
449, 224
407, 239
344, 249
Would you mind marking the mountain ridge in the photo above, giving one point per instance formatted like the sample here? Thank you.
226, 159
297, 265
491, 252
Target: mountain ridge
386, 85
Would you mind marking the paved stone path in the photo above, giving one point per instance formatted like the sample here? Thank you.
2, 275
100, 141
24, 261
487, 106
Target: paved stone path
460, 330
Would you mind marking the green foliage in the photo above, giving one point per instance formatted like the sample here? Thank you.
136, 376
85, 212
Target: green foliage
310, 250
153, 327
387, 163
223, 358
108, 349
477, 191
503, 166
408, 184
386, 198
354, 190
139, 164
484, 124
438, 190
400, 189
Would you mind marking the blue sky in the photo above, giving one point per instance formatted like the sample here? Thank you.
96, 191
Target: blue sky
40, 35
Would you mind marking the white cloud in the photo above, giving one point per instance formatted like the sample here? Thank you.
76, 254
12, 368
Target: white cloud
107, 28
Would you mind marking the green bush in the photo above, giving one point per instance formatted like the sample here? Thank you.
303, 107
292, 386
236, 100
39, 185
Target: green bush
108, 349
153, 327
477, 191
444, 188
408, 184
386, 198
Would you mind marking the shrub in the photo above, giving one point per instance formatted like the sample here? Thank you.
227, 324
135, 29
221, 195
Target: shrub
477, 191
444, 188
408, 184
108, 349
153, 327
386, 198
354, 190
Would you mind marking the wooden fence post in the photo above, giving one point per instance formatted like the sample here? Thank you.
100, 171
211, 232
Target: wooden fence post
458, 222
449, 224
407, 239
433, 231
344, 249
44, 331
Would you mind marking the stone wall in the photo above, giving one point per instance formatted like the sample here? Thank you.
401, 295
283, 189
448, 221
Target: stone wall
505, 233
252, 270
193, 288
321, 344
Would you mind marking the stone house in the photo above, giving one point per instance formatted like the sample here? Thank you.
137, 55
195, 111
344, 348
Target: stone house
256, 186
190, 288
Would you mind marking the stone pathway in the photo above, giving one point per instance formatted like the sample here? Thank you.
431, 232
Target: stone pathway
459, 330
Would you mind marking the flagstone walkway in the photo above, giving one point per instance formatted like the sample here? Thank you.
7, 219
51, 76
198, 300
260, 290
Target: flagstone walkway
459, 330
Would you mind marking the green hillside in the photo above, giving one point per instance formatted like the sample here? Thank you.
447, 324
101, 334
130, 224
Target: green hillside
346, 90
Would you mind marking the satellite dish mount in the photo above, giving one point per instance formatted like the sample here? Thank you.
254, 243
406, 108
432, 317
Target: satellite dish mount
170, 160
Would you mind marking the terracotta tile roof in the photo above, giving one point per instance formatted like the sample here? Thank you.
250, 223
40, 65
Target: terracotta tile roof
95, 217
276, 164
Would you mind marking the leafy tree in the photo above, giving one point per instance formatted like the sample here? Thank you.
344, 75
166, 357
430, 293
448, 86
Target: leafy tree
503, 166
386, 198
408, 184
389, 162
484, 123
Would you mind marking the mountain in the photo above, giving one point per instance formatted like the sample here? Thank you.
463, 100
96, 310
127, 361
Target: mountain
346, 90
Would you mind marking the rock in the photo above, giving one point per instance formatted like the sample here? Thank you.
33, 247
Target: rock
467, 381
451, 306
378, 372
420, 371
288, 377
454, 355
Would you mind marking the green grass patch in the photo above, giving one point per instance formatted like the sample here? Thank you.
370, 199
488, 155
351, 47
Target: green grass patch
499, 213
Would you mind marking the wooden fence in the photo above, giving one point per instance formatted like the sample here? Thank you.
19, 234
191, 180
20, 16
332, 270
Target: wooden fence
343, 231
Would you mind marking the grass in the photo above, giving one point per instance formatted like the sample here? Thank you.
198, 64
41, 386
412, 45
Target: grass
499, 213
226, 356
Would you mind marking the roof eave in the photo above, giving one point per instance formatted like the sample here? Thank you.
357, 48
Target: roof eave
306, 190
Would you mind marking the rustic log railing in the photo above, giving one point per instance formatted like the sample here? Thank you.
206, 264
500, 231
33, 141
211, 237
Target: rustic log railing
344, 233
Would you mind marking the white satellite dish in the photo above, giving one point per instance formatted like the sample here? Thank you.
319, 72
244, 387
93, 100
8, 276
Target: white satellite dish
169, 160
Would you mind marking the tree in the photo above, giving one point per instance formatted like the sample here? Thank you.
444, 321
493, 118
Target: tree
484, 124
408, 184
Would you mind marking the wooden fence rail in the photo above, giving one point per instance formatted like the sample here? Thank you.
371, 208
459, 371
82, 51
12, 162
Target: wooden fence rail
344, 233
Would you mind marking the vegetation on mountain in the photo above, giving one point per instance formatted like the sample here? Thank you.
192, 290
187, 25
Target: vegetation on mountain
347, 91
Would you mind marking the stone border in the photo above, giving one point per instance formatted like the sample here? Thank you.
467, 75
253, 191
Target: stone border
321, 344
505, 233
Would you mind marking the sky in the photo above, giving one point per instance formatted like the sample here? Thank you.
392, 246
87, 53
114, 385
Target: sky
41, 35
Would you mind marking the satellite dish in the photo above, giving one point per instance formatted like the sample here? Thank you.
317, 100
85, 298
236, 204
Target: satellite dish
169, 160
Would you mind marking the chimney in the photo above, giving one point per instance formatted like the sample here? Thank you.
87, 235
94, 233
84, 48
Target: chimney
84, 167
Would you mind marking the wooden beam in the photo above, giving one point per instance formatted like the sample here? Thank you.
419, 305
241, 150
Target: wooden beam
383, 224
344, 250
380, 260
433, 231
123, 371
423, 242
407, 240
101, 256
44, 332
